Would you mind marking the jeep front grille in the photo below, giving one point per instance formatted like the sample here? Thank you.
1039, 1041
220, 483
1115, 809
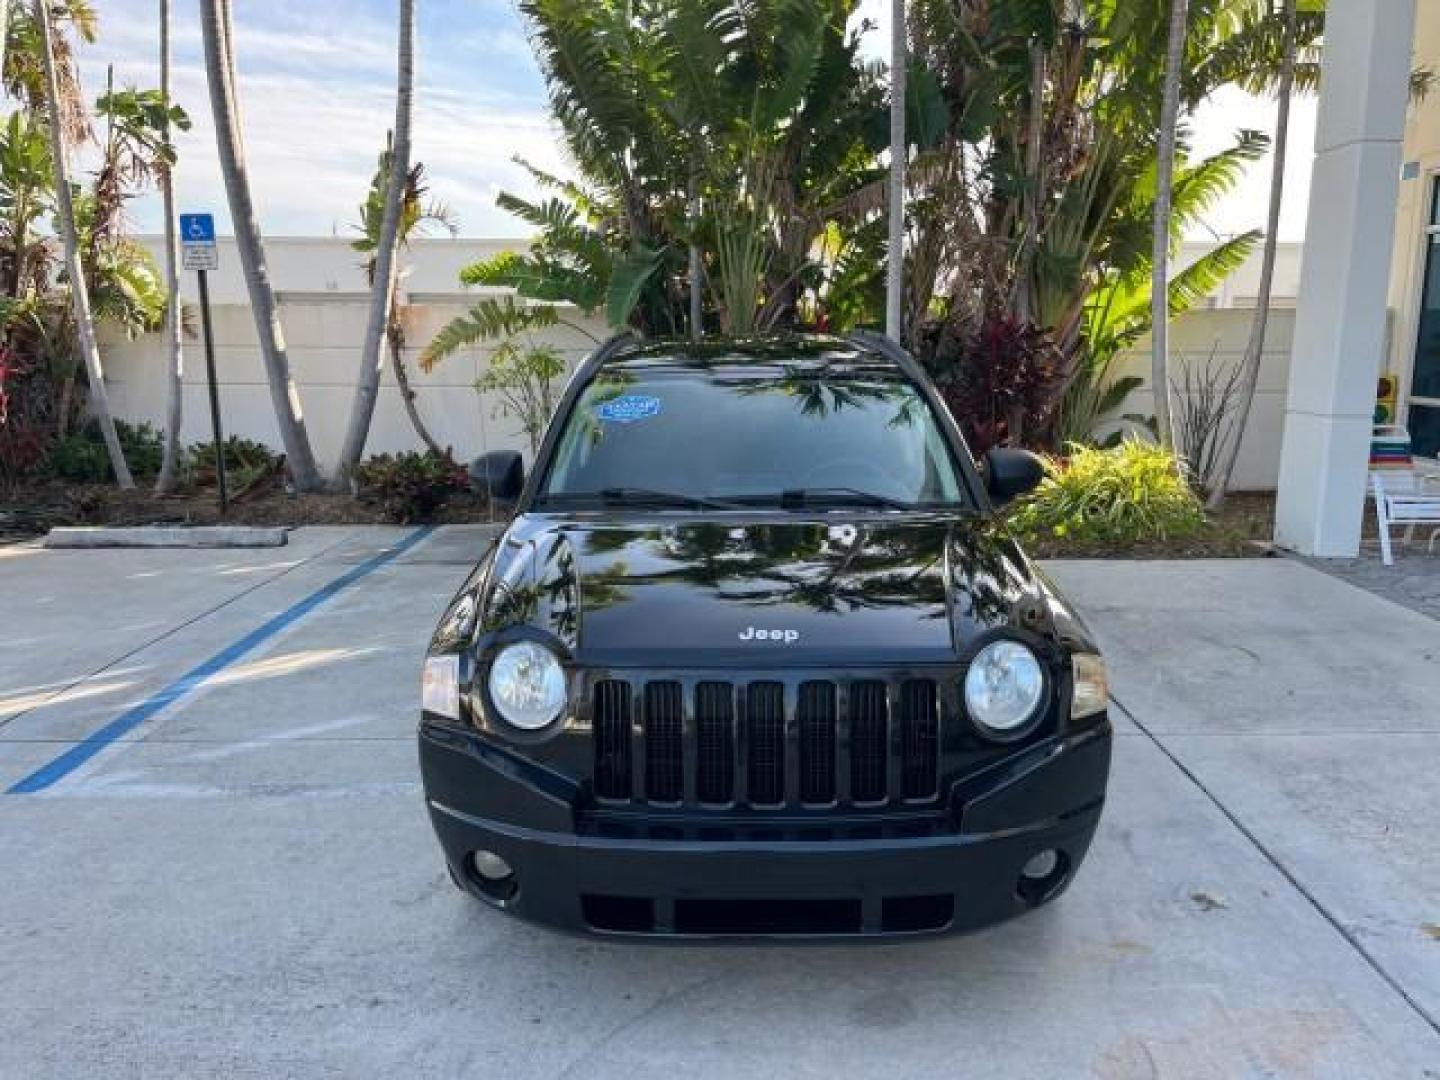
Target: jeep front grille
612, 739
766, 744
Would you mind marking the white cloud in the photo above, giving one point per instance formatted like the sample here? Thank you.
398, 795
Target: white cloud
317, 96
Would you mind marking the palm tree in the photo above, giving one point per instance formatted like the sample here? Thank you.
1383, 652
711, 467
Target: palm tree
25, 74
382, 293
175, 365
899, 148
416, 217
79, 295
4, 36
1160, 233
217, 29
1260, 321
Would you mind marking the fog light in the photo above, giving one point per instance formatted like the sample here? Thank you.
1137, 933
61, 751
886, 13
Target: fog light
490, 867
1041, 866
1043, 877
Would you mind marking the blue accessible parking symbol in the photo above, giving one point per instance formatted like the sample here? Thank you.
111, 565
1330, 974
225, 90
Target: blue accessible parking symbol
197, 228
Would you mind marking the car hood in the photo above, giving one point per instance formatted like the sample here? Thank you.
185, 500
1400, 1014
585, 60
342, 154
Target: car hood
683, 592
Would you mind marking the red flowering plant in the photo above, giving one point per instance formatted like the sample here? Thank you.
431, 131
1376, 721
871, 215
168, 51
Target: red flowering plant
1002, 380
22, 442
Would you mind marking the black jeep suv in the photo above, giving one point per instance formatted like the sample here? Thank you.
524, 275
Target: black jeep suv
756, 658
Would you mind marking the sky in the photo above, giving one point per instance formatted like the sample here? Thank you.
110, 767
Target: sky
317, 97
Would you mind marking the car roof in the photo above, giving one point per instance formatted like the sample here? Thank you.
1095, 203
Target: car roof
788, 354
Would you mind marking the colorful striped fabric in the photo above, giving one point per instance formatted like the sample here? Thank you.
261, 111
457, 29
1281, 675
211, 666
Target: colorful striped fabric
1391, 452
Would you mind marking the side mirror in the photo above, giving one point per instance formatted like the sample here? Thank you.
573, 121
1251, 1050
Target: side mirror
1012, 473
500, 473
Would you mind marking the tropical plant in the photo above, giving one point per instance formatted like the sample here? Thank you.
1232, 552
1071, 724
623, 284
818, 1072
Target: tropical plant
79, 295
1207, 398
127, 289
1035, 171
82, 457
44, 342
525, 380
25, 70
245, 462
716, 141
419, 214
382, 278
26, 198
1133, 492
410, 487
217, 30
1003, 383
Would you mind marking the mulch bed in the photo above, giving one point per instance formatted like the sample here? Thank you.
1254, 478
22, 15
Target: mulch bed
35, 509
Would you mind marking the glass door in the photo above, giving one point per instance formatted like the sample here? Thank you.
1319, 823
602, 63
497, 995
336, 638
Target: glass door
1424, 416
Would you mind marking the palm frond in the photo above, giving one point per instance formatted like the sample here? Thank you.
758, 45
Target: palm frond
489, 320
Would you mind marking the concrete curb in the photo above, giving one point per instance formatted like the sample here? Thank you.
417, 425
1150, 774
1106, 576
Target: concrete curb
168, 536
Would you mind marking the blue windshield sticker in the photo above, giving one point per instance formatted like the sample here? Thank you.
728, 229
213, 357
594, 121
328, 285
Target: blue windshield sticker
628, 408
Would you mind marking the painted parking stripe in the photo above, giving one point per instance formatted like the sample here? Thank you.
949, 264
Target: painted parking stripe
50, 774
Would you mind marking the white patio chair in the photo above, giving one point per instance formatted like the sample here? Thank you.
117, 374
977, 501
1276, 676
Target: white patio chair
1402, 496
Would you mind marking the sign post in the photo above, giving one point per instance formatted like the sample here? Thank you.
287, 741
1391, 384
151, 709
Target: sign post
197, 242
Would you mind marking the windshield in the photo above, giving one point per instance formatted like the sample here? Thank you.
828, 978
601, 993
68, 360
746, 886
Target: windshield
737, 435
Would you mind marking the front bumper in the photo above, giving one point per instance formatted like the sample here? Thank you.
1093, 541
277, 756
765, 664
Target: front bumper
683, 878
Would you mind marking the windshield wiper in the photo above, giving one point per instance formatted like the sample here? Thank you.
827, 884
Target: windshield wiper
798, 497
634, 496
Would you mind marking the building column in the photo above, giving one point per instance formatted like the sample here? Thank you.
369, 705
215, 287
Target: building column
1341, 318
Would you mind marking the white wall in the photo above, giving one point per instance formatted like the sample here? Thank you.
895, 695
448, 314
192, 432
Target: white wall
324, 336
308, 266
1193, 337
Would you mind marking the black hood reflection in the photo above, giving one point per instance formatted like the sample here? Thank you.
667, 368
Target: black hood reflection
690, 592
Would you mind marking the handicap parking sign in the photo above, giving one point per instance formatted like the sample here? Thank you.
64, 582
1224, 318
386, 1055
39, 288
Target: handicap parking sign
197, 242
197, 228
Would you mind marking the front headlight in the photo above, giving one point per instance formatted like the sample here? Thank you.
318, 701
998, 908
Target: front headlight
1004, 688
527, 685
1092, 686
440, 686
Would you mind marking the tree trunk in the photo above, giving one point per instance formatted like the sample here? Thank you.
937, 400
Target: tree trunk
382, 290
895, 272
175, 359
215, 27
75, 271
1022, 290
1160, 265
1254, 349
697, 273
4, 39
407, 395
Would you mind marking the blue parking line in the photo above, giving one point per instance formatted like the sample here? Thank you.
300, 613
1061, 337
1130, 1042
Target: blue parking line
50, 774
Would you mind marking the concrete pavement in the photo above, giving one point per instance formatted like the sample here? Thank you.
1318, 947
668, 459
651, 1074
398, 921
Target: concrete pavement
245, 884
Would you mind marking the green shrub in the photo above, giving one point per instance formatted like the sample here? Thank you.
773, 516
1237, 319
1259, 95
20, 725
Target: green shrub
410, 487
81, 456
1132, 492
245, 459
